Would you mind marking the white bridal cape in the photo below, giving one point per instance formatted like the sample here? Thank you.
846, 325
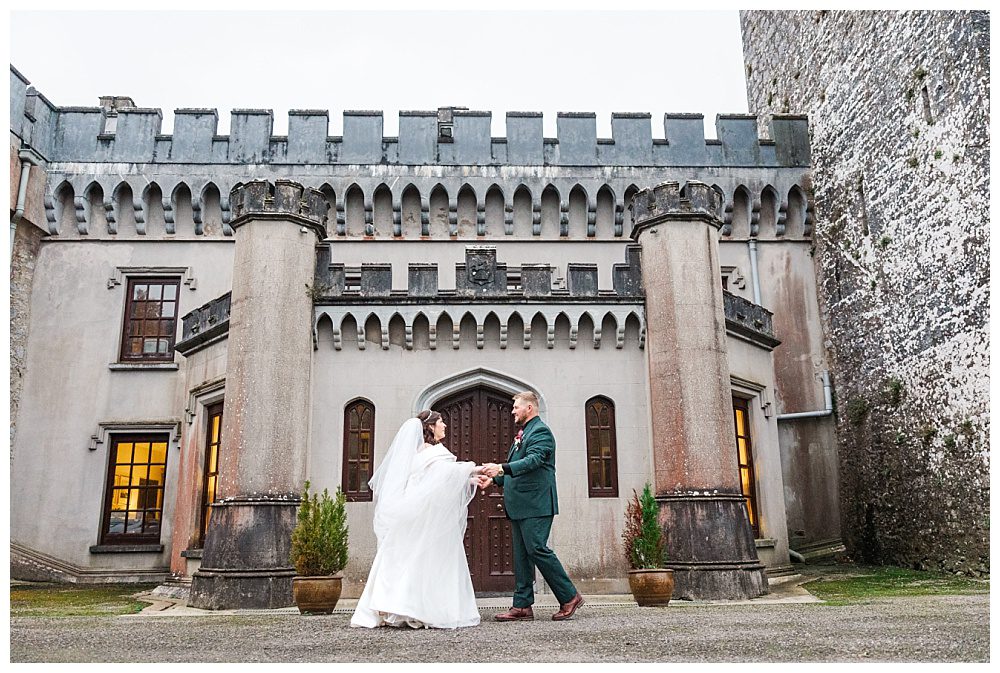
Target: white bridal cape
420, 576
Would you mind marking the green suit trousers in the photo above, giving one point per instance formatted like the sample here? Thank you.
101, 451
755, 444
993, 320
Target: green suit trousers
530, 538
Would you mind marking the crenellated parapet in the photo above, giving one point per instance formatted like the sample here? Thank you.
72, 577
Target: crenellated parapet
479, 278
447, 136
205, 325
748, 320
112, 173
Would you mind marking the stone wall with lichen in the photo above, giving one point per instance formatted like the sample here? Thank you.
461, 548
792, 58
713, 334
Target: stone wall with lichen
24, 253
898, 104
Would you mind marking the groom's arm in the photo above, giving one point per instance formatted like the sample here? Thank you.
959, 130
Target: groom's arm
538, 452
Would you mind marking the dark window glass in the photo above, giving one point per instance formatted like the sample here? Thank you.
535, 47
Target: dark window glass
359, 443
602, 451
133, 510
150, 320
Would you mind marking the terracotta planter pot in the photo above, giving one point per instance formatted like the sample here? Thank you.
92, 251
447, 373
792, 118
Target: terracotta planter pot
317, 595
651, 588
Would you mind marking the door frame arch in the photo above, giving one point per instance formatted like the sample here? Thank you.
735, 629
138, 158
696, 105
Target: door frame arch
473, 378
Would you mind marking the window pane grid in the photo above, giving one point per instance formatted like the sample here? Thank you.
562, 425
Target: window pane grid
134, 502
150, 319
359, 438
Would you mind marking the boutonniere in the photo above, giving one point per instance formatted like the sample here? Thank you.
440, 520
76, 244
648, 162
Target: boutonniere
517, 439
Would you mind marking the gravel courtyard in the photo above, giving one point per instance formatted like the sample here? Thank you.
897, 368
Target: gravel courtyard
908, 629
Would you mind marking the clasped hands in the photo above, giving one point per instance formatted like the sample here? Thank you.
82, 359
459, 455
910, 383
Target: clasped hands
485, 474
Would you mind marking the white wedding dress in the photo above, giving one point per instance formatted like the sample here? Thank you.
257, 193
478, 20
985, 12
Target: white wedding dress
420, 576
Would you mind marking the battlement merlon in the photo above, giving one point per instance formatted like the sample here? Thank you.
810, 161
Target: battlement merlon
279, 200
669, 201
448, 136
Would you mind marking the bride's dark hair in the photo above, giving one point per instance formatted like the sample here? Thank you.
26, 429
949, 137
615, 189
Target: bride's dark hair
429, 418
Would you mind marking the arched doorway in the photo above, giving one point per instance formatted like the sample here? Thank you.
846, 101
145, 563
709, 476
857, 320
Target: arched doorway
481, 429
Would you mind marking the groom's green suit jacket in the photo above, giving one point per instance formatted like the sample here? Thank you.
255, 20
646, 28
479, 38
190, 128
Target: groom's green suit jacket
529, 478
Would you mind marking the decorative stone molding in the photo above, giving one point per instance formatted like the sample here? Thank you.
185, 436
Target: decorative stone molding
457, 312
204, 394
104, 428
470, 379
121, 272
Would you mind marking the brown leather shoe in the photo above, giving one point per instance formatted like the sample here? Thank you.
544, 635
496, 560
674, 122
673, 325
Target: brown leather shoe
515, 615
566, 611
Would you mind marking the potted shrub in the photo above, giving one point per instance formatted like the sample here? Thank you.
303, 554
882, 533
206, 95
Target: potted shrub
319, 551
650, 582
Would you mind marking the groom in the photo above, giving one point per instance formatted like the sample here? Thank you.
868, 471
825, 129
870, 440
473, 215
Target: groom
528, 479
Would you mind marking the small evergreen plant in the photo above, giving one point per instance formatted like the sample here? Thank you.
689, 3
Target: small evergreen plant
642, 537
319, 541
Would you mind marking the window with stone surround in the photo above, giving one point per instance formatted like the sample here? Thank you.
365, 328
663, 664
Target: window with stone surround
744, 449
133, 502
602, 449
359, 442
213, 441
150, 324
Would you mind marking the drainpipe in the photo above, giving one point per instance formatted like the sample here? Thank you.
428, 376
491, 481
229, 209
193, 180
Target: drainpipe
827, 399
796, 557
28, 159
755, 278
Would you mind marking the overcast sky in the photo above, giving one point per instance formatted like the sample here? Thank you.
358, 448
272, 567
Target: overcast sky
599, 62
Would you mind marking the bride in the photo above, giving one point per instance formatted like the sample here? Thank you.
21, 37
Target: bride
420, 576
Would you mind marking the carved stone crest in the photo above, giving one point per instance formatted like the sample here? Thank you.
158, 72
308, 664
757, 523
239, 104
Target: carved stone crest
482, 269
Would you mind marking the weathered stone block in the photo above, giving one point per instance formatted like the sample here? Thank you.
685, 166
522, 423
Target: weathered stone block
376, 280
627, 277
582, 280
423, 280
536, 280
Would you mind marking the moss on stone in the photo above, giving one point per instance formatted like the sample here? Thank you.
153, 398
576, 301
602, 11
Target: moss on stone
857, 410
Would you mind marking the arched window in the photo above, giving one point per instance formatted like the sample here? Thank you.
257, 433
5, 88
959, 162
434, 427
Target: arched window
359, 447
602, 451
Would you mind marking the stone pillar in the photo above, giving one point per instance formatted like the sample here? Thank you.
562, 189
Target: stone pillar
710, 545
245, 563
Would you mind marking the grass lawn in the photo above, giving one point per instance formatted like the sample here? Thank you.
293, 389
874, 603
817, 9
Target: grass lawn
68, 600
865, 582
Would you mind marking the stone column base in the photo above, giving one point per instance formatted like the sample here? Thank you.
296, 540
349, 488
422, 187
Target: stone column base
230, 590
710, 547
245, 563
718, 581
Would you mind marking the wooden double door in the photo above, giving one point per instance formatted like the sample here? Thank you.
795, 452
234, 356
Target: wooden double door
481, 429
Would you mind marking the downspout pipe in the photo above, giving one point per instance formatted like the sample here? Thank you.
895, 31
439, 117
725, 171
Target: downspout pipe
754, 275
827, 399
28, 159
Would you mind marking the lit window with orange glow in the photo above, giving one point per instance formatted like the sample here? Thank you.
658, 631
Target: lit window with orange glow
744, 451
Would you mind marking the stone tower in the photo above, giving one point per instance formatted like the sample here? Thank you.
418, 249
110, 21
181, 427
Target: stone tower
265, 435
710, 546
898, 104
